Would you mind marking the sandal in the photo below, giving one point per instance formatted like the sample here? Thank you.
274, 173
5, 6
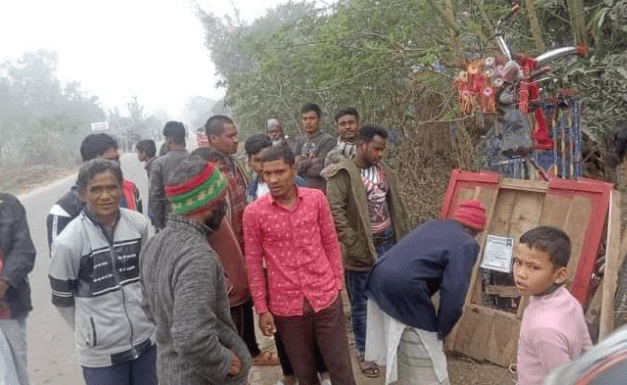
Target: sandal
266, 358
369, 368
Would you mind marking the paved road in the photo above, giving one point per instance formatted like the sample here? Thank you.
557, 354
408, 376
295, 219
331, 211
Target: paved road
51, 353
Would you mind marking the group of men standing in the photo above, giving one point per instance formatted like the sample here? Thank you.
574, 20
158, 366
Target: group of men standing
316, 218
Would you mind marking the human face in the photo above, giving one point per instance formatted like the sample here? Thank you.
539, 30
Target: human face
112, 154
372, 153
275, 131
102, 196
280, 178
227, 141
347, 127
141, 156
534, 272
311, 122
255, 161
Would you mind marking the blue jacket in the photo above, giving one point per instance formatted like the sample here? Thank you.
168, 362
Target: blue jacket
19, 255
438, 255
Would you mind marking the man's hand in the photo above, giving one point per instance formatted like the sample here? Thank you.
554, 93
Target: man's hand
236, 365
266, 324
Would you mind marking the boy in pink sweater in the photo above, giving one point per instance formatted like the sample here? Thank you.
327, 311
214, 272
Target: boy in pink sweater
553, 329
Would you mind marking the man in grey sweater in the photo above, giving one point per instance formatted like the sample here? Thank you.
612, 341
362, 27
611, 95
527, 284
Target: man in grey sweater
185, 287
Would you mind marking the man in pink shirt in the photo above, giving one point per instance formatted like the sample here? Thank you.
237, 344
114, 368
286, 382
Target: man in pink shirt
553, 329
292, 230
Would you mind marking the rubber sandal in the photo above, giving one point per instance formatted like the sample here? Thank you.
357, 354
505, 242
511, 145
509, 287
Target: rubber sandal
369, 368
266, 359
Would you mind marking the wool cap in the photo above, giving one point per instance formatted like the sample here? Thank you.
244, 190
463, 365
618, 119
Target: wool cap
471, 213
199, 192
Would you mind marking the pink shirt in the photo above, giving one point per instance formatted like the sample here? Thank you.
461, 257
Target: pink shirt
301, 251
553, 331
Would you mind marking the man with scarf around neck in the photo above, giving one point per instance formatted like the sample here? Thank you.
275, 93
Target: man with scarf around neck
553, 330
185, 288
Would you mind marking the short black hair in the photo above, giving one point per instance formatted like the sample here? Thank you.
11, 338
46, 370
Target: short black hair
94, 167
307, 107
256, 143
215, 125
369, 131
147, 146
550, 240
94, 145
347, 111
175, 131
283, 153
208, 154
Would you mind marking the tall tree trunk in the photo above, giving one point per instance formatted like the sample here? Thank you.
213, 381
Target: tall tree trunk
536, 29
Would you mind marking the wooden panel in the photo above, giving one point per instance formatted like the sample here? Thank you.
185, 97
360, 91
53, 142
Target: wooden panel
553, 211
502, 213
503, 340
575, 226
473, 332
527, 185
489, 198
526, 213
612, 258
463, 194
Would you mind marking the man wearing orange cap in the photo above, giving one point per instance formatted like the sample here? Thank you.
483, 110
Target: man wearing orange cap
404, 331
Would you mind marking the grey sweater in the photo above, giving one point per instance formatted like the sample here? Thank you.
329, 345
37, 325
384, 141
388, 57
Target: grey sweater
161, 169
185, 295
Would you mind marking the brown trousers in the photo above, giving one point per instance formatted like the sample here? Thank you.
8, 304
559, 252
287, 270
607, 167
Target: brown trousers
327, 328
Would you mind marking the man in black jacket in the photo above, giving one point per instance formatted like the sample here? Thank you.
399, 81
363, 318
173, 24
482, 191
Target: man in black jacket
17, 258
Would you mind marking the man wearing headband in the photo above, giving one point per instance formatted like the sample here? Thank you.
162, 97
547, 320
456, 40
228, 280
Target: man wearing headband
185, 288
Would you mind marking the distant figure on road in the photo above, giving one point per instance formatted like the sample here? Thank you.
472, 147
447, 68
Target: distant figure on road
312, 148
201, 138
146, 152
162, 169
17, 258
94, 275
70, 205
185, 285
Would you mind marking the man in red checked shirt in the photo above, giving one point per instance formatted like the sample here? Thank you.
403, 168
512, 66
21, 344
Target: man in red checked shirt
292, 230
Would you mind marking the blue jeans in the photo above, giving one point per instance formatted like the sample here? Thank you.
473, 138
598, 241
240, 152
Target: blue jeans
357, 286
140, 371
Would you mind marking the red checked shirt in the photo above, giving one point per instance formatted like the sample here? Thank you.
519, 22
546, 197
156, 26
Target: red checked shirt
301, 251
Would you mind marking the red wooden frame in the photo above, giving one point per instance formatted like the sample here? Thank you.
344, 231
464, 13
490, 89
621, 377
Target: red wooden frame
598, 193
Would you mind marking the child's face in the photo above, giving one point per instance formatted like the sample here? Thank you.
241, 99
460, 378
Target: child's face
534, 272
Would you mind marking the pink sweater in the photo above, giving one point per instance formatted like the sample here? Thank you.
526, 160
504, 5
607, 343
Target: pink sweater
553, 331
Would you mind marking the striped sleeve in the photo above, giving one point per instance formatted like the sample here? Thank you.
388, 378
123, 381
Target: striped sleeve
63, 274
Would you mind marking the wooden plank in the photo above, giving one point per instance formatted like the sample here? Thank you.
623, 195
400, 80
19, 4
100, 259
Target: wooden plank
472, 333
593, 312
503, 340
502, 213
612, 257
575, 226
554, 211
526, 213
489, 198
503, 291
526, 185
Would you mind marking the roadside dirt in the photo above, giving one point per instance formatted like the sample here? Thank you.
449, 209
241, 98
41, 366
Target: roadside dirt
23, 179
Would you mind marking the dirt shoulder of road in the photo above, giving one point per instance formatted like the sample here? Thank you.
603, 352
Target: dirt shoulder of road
20, 180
